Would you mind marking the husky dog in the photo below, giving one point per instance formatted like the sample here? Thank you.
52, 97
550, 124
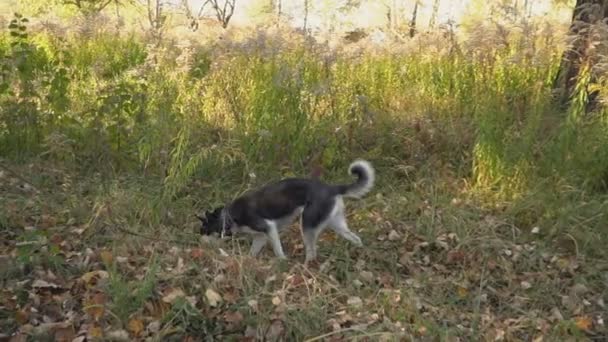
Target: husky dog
266, 211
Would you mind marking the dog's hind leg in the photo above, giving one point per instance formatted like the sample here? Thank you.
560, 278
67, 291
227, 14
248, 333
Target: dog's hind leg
259, 241
338, 224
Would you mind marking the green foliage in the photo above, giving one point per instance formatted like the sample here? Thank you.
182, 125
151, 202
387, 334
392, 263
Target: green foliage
180, 112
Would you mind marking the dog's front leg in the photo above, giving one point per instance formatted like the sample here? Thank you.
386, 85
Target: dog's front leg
259, 241
273, 235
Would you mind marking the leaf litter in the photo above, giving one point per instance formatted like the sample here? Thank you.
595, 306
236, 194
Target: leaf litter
403, 285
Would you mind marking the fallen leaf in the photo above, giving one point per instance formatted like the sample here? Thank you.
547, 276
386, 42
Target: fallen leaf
94, 332
106, 257
135, 326
583, 322
525, 285
95, 306
354, 301
455, 256
234, 317
367, 276
120, 335
154, 327
22, 316
539, 338
197, 253
213, 297
276, 301
422, 330
173, 295
66, 334
463, 292
393, 235
556, 315
253, 304
91, 278
41, 284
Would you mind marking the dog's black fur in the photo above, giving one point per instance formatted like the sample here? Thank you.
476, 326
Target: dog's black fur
283, 200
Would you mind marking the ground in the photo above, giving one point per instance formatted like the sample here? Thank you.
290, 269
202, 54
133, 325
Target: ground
91, 257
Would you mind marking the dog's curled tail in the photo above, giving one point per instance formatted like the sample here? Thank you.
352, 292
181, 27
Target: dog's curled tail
365, 179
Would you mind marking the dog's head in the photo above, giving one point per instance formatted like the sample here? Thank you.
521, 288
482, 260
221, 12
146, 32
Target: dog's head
211, 222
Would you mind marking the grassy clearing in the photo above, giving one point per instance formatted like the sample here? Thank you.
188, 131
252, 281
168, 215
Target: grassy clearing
487, 222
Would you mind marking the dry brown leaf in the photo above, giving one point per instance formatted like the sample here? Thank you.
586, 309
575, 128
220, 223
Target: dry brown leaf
65, 334
95, 306
91, 278
234, 317
20, 337
172, 295
106, 257
197, 253
22, 316
583, 322
135, 326
455, 256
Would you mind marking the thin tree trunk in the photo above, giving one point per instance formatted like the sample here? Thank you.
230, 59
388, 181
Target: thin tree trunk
586, 13
305, 15
413, 21
434, 14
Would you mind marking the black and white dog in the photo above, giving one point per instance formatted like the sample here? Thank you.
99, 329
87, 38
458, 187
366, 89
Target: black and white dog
266, 211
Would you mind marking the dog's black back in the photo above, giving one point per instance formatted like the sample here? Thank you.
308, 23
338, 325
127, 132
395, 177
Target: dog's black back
284, 198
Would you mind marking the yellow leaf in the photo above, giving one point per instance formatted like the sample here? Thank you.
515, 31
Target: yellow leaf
94, 275
135, 326
583, 322
106, 257
463, 292
213, 297
95, 332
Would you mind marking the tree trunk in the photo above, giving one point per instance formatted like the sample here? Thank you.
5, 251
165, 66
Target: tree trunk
413, 21
579, 54
305, 14
434, 15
